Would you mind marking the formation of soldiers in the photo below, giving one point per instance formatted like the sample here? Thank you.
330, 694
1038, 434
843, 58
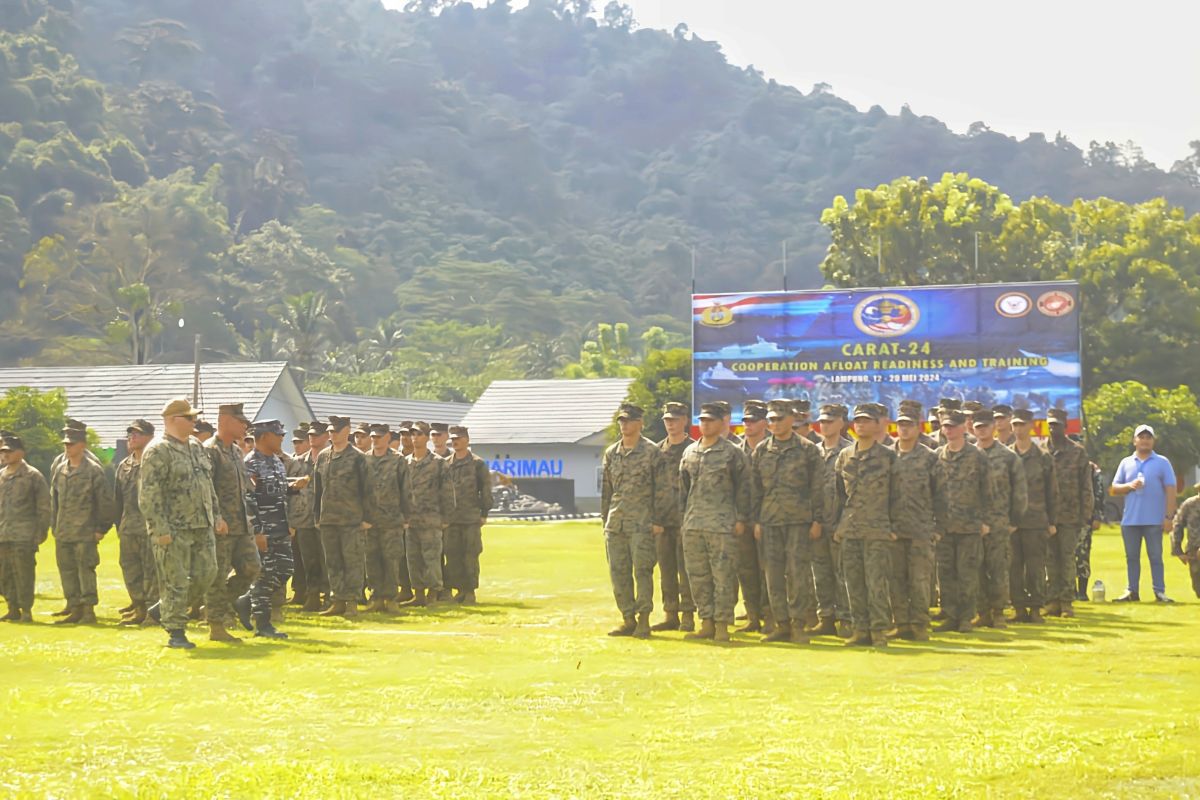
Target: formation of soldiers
212, 527
824, 535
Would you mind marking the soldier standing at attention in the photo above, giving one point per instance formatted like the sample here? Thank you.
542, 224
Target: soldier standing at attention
833, 604
961, 513
883, 434
302, 517
912, 515
676, 591
178, 500
470, 483
1004, 430
406, 438
342, 502
24, 525
633, 504
136, 555
203, 431
439, 439
802, 411
867, 487
362, 438
270, 486
1009, 499
385, 539
1073, 472
81, 508
1027, 570
294, 465
911, 409
715, 487
430, 503
788, 491
750, 572
236, 551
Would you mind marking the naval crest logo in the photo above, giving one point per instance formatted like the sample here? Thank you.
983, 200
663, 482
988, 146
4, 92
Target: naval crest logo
716, 316
886, 314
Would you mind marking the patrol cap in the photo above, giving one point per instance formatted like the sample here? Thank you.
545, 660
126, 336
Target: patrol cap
831, 411
1057, 416
73, 436
950, 404
883, 411
867, 411
802, 408
179, 407
972, 406
268, 426
459, 432
630, 411
1140, 429
76, 424
420, 427
675, 410
983, 416
363, 427
439, 427
203, 426
337, 423
304, 426
300, 434
1023, 415
910, 411
754, 411
140, 426
12, 442
726, 409
712, 411
317, 428
405, 427
953, 416
380, 429
234, 410
1002, 411
778, 409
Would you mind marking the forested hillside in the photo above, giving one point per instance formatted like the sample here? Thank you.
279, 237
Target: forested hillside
356, 188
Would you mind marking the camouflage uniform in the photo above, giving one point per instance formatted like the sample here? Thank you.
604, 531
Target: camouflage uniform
342, 500
634, 495
788, 496
832, 600
24, 525
1028, 566
676, 591
1074, 474
752, 579
912, 552
177, 499
385, 538
1083, 549
430, 501
268, 479
1009, 498
469, 482
961, 508
867, 486
308, 535
236, 551
81, 506
715, 488
1188, 518
136, 555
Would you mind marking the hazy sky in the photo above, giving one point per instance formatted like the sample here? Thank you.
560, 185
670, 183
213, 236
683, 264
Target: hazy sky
1100, 69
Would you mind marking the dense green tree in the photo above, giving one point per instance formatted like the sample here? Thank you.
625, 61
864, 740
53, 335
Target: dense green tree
1116, 409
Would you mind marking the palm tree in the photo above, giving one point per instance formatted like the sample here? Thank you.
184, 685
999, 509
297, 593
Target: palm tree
304, 327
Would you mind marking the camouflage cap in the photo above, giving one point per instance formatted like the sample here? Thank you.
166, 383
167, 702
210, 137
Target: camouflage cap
337, 423
12, 443
1057, 416
726, 408
268, 426
910, 411
972, 406
405, 427
950, 404
778, 409
802, 410
630, 411
754, 411
459, 432
675, 410
1022, 415
867, 411
421, 428
203, 426
300, 434
140, 426
76, 424
304, 426
380, 429
712, 411
317, 428
832, 411
73, 436
363, 427
233, 410
179, 407
439, 427
983, 416
1002, 411
953, 416
883, 410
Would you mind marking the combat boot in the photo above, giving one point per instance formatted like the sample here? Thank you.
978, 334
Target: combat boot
264, 629
351, 611
468, 598
642, 631
136, 617
132, 605
859, 639
1081, 590
825, 626
782, 633
1020, 615
390, 607
707, 630
768, 625
178, 640
920, 633
753, 623
13, 614
406, 594
946, 626
337, 608
87, 615
1053, 608
720, 632
312, 603
626, 628
983, 619
905, 632
879, 639
375, 605
811, 620
217, 633
67, 609
242, 605
998, 619
26, 615
445, 595
966, 627
687, 621
1035, 616
420, 598
71, 619
845, 631
798, 636
671, 623
1068, 610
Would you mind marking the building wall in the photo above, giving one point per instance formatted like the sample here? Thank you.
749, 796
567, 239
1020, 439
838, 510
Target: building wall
580, 463
285, 403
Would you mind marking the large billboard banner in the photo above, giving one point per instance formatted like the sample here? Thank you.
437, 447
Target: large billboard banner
996, 343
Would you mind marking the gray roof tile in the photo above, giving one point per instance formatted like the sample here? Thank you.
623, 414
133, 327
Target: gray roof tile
546, 411
390, 410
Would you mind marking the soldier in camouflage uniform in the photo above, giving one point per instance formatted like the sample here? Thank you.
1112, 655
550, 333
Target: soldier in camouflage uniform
676, 591
867, 488
293, 466
833, 604
136, 555
1083, 548
961, 511
715, 487
236, 552
911, 409
1028, 565
302, 517
1009, 499
788, 492
912, 516
385, 539
751, 576
24, 525
1003, 415
81, 512
179, 503
429, 498
1187, 518
470, 484
1073, 472
342, 504
634, 497
802, 411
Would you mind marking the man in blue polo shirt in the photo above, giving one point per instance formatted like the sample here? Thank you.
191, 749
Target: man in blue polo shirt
1147, 482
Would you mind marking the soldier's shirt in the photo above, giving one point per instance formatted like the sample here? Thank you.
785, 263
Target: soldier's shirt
429, 496
470, 484
867, 484
1073, 472
912, 513
175, 488
232, 485
634, 493
788, 482
343, 495
130, 521
1041, 488
715, 483
1009, 493
1187, 517
672, 455
81, 501
24, 505
833, 501
966, 490
389, 483
300, 504
268, 479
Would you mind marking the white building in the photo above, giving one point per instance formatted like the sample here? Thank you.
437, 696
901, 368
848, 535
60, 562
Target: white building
547, 429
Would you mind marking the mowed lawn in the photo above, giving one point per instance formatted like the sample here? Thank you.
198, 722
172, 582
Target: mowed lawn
524, 695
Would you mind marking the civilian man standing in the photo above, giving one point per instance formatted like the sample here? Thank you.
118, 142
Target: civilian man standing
1147, 482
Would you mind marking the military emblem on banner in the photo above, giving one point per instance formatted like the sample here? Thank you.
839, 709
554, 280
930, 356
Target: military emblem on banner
886, 314
716, 316
1013, 304
1055, 303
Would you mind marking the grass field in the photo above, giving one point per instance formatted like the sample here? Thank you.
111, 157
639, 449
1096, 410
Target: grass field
525, 696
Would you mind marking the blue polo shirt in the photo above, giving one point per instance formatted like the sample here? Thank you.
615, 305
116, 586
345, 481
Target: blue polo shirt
1148, 505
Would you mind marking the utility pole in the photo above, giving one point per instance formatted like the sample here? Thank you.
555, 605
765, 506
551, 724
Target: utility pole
196, 373
977, 256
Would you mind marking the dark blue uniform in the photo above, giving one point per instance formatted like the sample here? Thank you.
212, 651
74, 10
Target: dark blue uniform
268, 478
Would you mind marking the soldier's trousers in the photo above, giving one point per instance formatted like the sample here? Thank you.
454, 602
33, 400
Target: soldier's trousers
785, 552
1194, 571
423, 547
832, 601
711, 561
344, 560
277, 566
237, 554
462, 545
77, 562
1083, 554
18, 566
1060, 564
137, 568
676, 591
958, 557
912, 566
312, 556
186, 568
299, 579
749, 574
385, 551
631, 558
1027, 568
995, 570
866, 564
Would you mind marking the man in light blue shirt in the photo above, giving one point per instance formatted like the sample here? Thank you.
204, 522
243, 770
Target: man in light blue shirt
1147, 482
